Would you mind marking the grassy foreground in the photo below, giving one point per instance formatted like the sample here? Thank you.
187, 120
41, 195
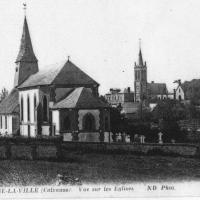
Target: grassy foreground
99, 168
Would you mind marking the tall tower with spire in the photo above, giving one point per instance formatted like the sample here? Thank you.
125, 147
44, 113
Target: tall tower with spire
26, 62
140, 84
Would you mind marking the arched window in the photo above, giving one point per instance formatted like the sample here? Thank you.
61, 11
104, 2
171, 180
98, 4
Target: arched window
35, 104
6, 124
22, 108
106, 124
28, 108
45, 109
89, 122
66, 123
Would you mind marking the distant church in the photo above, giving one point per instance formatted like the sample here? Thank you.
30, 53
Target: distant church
61, 101
145, 91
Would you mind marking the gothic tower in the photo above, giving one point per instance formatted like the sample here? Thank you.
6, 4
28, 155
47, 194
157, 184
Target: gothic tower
26, 62
140, 84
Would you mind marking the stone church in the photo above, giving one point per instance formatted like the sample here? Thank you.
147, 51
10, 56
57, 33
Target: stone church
60, 101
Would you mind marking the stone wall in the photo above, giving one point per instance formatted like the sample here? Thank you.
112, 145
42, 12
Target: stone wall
57, 151
23, 151
145, 149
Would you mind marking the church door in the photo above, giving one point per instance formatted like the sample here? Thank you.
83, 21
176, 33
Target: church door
89, 122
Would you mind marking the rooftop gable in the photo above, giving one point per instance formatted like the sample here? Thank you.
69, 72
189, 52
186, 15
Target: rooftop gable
65, 73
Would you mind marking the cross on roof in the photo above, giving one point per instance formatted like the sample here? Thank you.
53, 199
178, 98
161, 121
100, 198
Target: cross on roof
24, 7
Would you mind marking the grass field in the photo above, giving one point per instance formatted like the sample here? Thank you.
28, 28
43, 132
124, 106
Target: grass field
99, 168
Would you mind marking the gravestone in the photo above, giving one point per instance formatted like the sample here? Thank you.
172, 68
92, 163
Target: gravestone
160, 141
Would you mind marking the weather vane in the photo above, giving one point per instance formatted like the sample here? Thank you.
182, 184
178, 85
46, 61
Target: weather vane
24, 7
140, 43
68, 57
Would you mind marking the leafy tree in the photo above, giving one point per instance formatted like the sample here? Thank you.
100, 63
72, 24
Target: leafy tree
192, 91
191, 111
169, 110
167, 113
171, 130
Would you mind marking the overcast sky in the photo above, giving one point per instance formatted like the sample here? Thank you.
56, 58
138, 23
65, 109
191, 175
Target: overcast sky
101, 36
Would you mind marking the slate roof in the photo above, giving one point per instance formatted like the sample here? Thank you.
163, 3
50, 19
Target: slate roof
80, 98
66, 73
10, 104
26, 50
157, 88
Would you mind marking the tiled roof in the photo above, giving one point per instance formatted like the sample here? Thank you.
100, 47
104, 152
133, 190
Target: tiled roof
157, 88
80, 98
26, 50
10, 104
61, 74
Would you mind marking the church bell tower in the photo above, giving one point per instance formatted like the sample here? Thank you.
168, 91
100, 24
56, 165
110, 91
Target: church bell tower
140, 84
26, 62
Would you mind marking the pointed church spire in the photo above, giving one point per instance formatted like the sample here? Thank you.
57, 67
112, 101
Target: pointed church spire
140, 61
26, 53
26, 62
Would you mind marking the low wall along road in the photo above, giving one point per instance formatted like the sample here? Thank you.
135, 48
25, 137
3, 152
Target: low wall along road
48, 150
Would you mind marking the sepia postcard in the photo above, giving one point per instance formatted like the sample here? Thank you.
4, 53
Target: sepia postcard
99, 99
